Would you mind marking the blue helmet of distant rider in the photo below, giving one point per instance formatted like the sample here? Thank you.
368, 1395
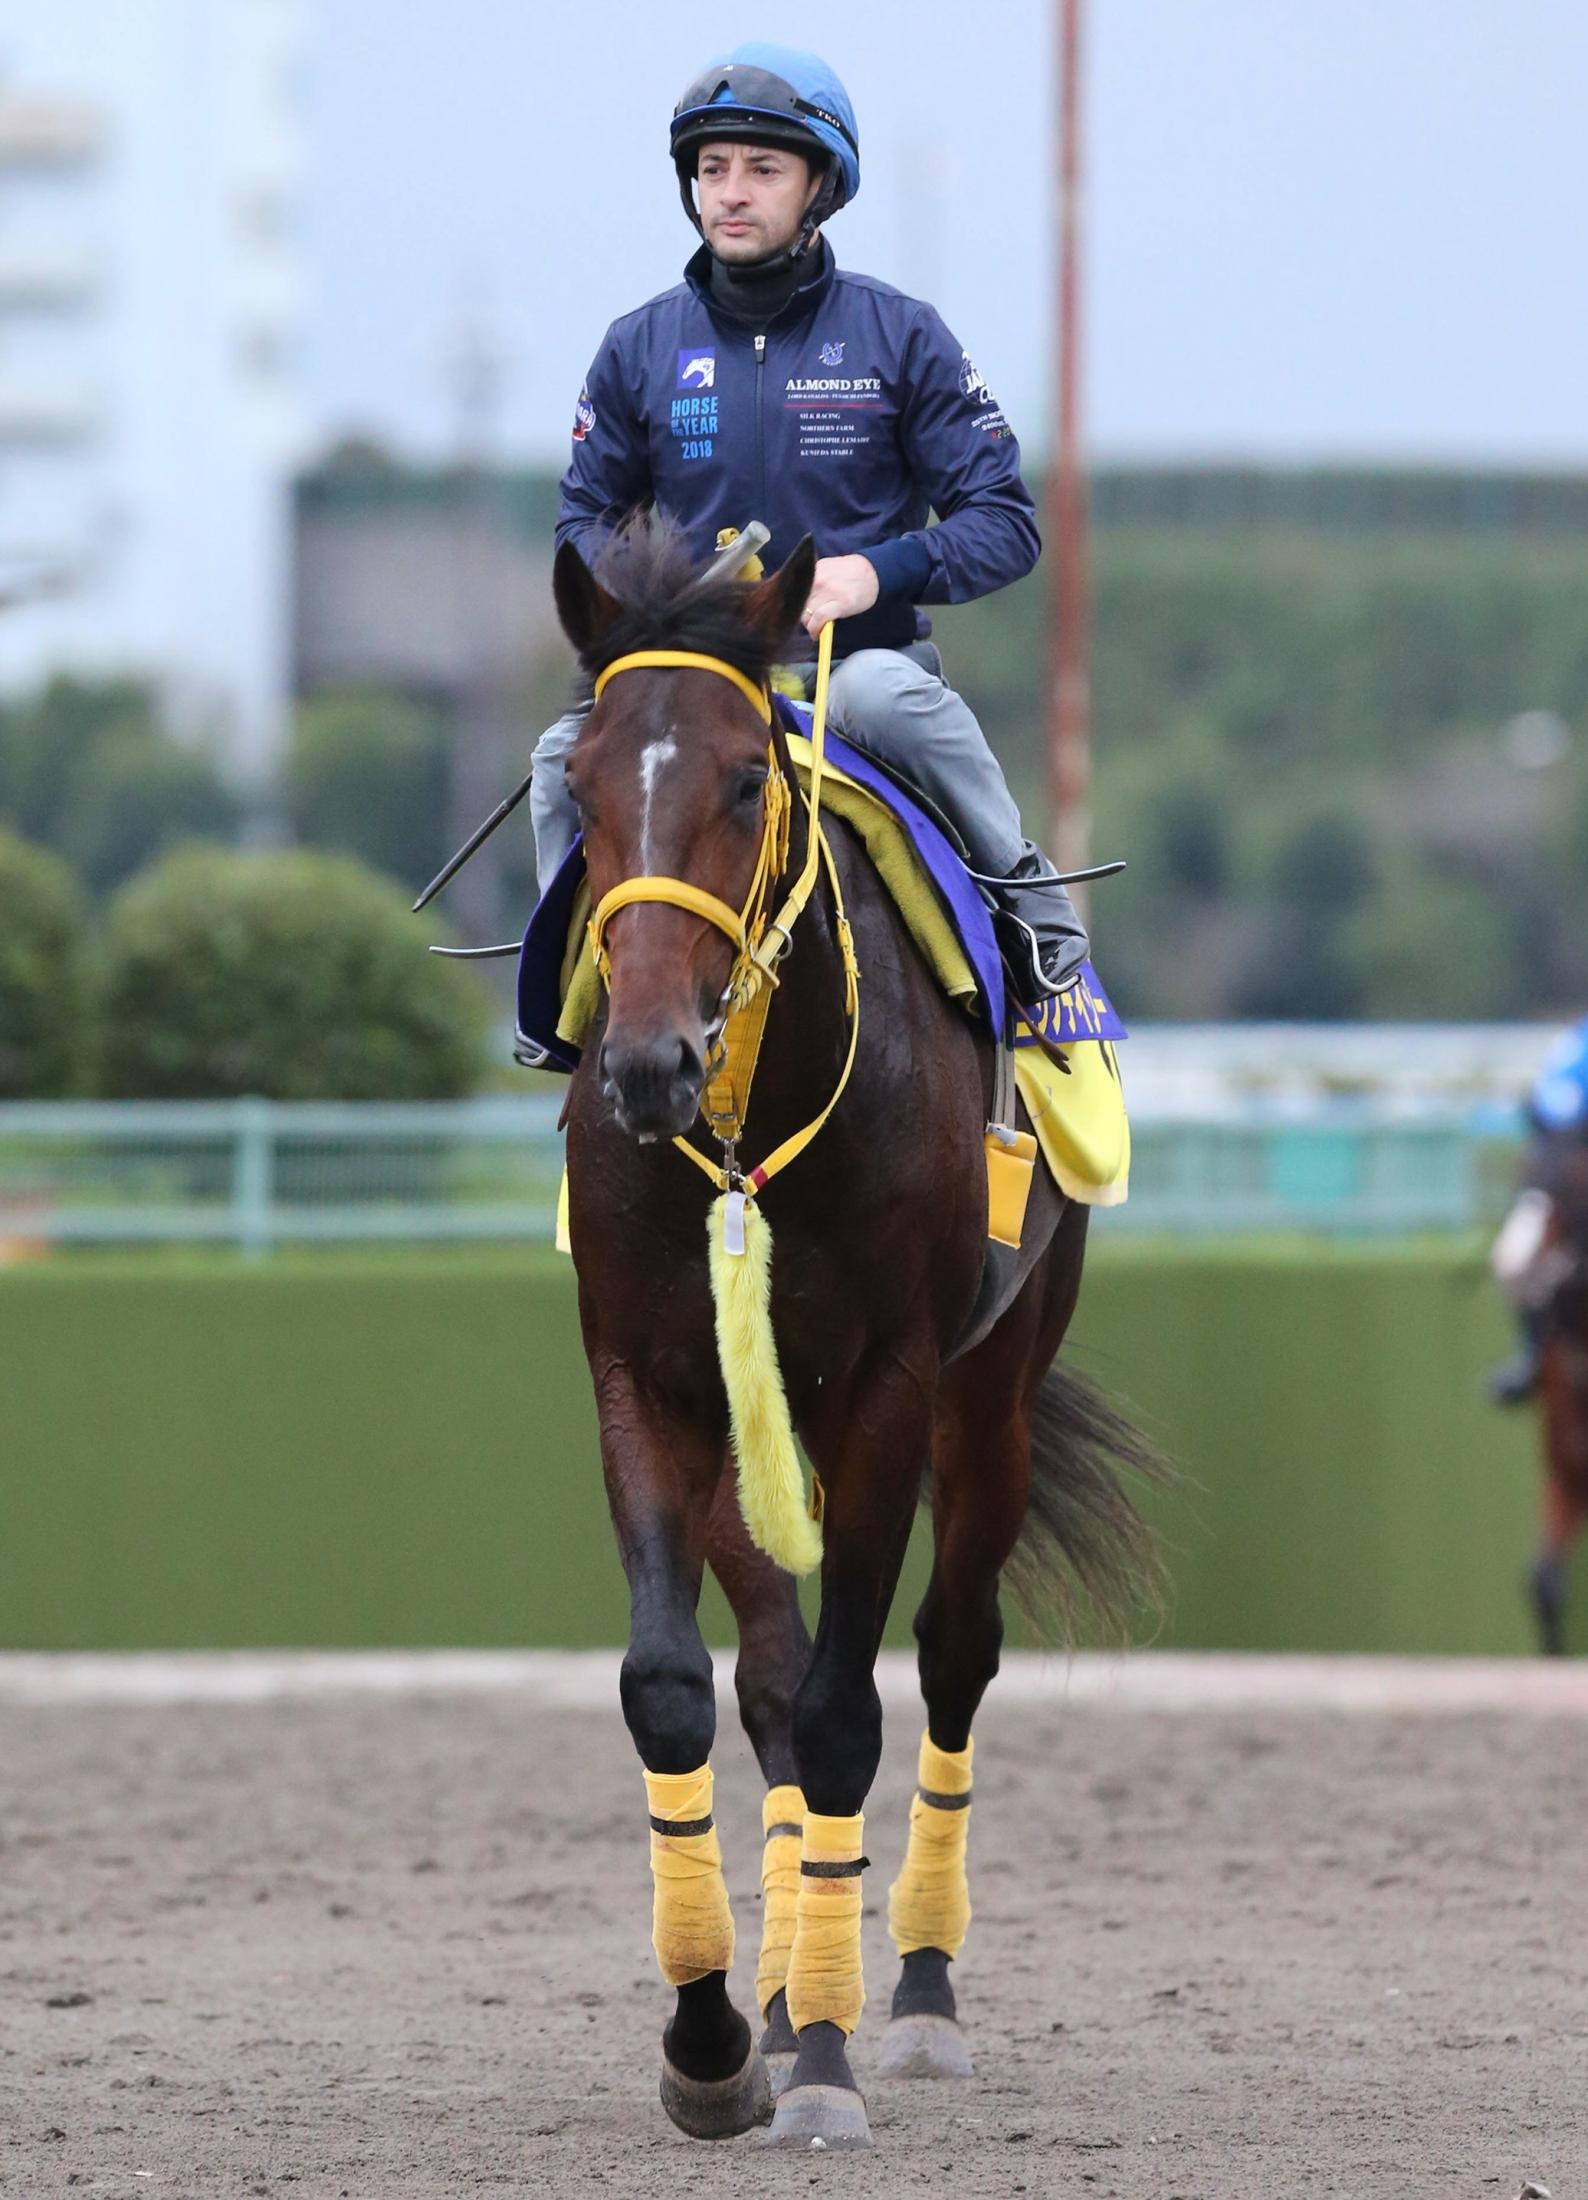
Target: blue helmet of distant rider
777, 97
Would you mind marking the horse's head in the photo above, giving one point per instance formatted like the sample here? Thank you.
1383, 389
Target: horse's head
670, 775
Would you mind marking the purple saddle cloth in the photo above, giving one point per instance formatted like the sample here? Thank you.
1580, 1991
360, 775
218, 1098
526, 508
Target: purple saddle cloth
1082, 1012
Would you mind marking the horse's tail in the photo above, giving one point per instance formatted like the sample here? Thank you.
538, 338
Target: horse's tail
1082, 1529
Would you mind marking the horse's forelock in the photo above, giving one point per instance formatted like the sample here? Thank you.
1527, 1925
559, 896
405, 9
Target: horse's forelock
647, 566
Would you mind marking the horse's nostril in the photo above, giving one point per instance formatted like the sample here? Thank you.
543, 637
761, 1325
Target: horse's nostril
656, 1081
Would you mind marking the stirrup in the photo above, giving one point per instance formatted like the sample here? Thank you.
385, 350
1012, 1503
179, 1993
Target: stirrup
1027, 959
530, 1054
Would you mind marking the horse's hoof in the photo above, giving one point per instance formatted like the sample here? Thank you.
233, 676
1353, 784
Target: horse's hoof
819, 2116
719, 2108
924, 2047
779, 2043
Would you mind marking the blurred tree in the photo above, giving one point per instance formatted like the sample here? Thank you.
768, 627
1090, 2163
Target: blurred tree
43, 977
295, 975
1322, 872
90, 770
50, 739
1436, 937
137, 795
367, 773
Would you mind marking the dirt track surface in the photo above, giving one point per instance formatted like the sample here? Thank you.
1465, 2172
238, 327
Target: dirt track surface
384, 1946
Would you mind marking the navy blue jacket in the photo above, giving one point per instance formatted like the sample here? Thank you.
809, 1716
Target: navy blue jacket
854, 413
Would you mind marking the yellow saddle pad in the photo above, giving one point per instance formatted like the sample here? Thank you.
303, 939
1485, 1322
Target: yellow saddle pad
1080, 1121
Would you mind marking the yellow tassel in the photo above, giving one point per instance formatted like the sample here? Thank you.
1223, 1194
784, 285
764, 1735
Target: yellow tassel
692, 1927
929, 1902
783, 1822
771, 1484
824, 1976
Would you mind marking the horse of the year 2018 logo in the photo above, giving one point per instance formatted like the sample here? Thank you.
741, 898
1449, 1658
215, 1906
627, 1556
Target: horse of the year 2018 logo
888, 1332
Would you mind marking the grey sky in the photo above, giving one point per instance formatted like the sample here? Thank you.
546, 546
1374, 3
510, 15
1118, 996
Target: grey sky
1318, 228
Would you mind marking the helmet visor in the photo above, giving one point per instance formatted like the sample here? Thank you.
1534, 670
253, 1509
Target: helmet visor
752, 95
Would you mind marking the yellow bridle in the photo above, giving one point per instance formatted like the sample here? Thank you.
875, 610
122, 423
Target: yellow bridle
745, 928
759, 941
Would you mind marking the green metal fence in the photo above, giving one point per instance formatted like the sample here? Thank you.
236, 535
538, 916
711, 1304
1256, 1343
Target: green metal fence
256, 1174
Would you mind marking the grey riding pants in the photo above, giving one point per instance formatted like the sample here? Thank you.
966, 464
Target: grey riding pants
896, 705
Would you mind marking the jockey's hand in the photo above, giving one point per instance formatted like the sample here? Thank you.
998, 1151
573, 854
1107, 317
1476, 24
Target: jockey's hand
840, 588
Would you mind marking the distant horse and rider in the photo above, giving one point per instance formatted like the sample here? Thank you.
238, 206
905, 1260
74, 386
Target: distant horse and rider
1540, 1262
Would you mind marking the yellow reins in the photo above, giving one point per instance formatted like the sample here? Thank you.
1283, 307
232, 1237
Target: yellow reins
771, 1483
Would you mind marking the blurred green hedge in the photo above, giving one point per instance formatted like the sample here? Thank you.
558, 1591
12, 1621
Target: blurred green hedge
293, 974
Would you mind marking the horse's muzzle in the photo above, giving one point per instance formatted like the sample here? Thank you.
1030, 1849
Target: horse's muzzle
654, 1083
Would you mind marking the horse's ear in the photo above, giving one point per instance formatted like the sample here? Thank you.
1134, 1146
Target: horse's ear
774, 605
583, 605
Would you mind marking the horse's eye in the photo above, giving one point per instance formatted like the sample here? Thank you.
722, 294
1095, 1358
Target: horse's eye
750, 786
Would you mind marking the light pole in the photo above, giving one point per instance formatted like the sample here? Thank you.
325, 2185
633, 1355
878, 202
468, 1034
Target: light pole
1069, 611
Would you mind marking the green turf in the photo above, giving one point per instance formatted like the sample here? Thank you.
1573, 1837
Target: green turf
399, 1448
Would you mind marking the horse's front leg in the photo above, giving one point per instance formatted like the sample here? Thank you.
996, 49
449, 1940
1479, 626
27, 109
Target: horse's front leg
661, 1469
774, 1649
870, 1452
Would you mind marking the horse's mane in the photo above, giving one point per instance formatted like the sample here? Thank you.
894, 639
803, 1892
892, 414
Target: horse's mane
648, 566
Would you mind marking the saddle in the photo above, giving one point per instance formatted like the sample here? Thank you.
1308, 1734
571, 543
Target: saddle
1063, 1064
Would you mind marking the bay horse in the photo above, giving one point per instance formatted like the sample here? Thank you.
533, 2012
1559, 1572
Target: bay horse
1557, 1174
911, 1359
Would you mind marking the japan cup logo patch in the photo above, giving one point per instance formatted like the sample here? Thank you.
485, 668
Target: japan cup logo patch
697, 370
973, 383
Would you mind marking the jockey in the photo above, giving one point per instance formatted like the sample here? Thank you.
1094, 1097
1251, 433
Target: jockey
1529, 1268
771, 384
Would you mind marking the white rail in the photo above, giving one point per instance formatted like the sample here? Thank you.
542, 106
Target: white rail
256, 1174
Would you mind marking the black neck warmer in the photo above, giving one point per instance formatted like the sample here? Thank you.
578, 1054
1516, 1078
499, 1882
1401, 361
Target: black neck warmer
756, 295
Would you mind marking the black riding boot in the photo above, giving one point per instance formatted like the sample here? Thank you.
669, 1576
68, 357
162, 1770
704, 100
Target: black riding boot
1042, 937
1515, 1380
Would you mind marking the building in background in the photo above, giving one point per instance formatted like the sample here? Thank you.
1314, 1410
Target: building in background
151, 297
436, 582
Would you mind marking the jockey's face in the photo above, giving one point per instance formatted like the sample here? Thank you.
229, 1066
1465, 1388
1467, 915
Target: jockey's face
752, 199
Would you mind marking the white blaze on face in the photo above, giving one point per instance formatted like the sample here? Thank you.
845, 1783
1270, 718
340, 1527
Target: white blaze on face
656, 754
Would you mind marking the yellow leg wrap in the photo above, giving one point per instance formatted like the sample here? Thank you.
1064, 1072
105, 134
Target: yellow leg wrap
824, 1984
783, 1822
929, 1902
692, 1931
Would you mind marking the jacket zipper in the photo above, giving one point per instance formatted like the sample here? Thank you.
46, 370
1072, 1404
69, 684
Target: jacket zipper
760, 434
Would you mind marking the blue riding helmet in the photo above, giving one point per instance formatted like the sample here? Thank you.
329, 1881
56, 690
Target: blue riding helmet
771, 95
1559, 1100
